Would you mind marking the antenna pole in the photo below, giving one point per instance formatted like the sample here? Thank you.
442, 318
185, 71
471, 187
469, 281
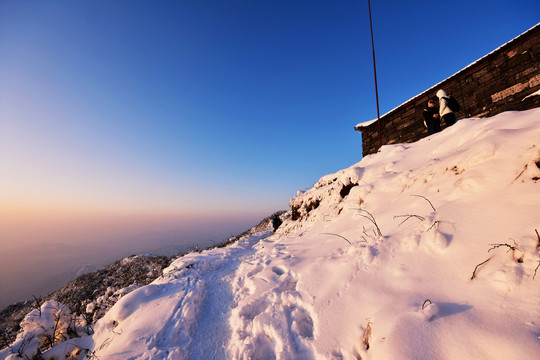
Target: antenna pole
375, 73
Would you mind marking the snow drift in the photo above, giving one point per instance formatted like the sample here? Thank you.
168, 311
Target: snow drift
421, 251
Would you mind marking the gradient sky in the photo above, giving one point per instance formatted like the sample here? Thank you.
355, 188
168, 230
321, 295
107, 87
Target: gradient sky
210, 107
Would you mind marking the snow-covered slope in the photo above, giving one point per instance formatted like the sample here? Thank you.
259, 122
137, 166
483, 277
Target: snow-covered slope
378, 261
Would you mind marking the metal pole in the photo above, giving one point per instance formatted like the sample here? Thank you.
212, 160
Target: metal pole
375, 72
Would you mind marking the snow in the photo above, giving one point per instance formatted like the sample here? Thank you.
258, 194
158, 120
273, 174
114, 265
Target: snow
378, 264
49, 325
364, 124
533, 94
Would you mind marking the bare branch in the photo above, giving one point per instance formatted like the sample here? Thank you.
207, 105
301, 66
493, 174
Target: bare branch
425, 198
537, 245
7, 338
344, 238
432, 225
536, 270
424, 304
367, 334
521, 173
371, 218
408, 216
39, 302
105, 344
510, 247
24, 343
476, 268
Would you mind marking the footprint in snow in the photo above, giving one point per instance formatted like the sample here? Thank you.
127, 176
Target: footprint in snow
275, 322
278, 271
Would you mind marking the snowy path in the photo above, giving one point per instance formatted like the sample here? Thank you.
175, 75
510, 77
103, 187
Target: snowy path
212, 332
195, 292
239, 302
270, 317
251, 307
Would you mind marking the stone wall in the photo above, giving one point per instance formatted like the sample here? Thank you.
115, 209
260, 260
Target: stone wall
500, 81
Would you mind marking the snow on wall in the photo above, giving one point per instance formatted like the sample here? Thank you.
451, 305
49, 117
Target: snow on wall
500, 81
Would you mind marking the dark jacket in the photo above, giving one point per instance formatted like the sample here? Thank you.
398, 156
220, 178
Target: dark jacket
276, 222
428, 114
433, 124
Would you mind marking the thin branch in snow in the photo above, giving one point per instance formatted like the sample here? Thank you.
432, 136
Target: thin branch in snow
432, 225
365, 232
6, 338
408, 216
476, 268
424, 304
105, 344
537, 245
536, 270
20, 351
521, 173
38, 301
425, 198
89, 354
367, 334
344, 238
92, 355
371, 218
510, 247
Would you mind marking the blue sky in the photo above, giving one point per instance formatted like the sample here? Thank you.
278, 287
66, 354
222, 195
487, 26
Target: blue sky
197, 107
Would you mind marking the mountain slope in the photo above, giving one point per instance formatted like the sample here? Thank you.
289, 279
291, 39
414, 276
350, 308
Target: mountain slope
378, 261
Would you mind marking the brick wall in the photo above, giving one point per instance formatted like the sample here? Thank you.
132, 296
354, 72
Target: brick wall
498, 82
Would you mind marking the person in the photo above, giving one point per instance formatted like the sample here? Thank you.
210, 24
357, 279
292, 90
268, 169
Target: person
447, 115
431, 117
276, 222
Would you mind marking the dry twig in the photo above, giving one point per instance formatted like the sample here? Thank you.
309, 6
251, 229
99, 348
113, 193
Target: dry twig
476, 268
371, 218
38, 301
344, 238
436, 222
367, 334
424, 304
408, 216
510, 247
425, 198
521, 173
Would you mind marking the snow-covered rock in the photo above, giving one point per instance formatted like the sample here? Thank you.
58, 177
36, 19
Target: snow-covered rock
86, 298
